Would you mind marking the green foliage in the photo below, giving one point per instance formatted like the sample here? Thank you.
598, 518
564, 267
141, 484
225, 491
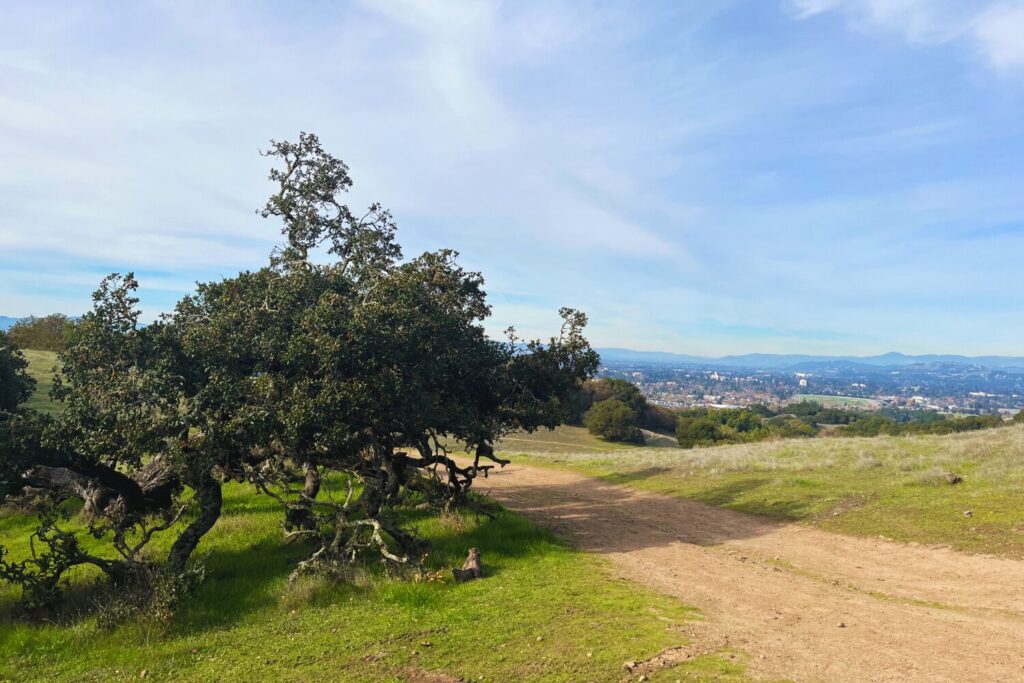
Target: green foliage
39, 574
786, 427
613, 420
299, 370
698, 431
15, 383
658, 419
704, 427
875, 425
597, 390
648, 416
49, 333
1019, 417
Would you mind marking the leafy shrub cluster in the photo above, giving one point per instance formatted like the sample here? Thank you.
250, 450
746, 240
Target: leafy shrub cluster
613, 420
710, 426
616, 410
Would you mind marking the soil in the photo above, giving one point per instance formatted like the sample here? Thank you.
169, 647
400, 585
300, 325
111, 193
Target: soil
801, 603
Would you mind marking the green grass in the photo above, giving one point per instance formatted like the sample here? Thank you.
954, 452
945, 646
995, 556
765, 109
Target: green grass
890, 486
544, 612
838, 401
40, 367
563, 439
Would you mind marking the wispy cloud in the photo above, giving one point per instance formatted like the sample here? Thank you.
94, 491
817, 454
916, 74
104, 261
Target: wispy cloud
656, 165
992, 28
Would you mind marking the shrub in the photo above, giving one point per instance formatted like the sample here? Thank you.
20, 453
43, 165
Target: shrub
613, 420
698, 431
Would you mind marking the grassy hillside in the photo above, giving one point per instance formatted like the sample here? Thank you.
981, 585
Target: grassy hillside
41, 364
571, 439
564, 439
891, 486
544, 612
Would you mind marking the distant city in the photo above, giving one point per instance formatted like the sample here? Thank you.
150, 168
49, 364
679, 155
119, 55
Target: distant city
960, 386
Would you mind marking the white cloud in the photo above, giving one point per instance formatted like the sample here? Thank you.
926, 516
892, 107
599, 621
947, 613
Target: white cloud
994, 29
1000, 32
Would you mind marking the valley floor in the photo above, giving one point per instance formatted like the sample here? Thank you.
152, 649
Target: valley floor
799, 602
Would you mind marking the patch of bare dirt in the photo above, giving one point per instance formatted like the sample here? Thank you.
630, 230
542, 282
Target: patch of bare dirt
414, 675
804, 604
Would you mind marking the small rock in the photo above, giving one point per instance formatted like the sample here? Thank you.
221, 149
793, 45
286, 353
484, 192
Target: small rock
630, 665
842, 624
953, 477
642, 678
143, 673
968, 513
590, 654
426, 643
540, 638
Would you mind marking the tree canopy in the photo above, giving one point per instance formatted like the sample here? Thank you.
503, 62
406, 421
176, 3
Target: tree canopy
645, 414
613, 420
337, 359
15, 384
49, 333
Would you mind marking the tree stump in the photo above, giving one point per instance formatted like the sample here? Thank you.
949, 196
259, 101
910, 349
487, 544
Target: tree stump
471, 568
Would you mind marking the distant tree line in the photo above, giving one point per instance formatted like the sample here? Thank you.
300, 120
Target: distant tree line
614, 409
49, 333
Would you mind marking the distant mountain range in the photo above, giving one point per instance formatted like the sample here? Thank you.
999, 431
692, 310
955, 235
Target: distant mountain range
772, 361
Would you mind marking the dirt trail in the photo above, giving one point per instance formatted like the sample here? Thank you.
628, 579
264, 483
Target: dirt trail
779, 592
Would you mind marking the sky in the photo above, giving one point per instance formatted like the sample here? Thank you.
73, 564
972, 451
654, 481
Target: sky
707, 177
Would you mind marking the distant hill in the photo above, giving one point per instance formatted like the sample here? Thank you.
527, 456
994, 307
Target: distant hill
772, 361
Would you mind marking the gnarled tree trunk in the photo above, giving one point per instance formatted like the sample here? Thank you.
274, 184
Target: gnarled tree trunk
210, 499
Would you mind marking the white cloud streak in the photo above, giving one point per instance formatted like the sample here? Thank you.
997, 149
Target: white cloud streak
993, 29
647, 164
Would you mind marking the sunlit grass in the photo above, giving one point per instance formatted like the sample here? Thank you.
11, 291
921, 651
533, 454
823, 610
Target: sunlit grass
891, 486
563, 439
41, 366
543, 612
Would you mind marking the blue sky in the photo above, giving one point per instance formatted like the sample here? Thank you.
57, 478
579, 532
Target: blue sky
826, 176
